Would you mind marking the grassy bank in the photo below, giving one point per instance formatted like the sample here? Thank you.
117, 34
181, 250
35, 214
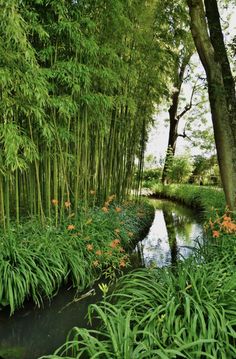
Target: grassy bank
201, 197
188, 311
35, 261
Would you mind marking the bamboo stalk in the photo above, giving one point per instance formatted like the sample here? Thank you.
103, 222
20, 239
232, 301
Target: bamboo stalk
17, 198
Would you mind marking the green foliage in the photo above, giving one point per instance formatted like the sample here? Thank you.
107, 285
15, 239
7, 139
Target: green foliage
77, 97
204, 198
34, 262
206, 170
172, 32
152, 174
188, 312
179, 169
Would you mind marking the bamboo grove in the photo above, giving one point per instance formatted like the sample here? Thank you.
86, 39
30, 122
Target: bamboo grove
78, 84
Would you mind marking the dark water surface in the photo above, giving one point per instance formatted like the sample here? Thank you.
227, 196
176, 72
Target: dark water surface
33, 332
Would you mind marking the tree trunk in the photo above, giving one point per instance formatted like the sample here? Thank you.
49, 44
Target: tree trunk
210, 49
217, 41
174, 119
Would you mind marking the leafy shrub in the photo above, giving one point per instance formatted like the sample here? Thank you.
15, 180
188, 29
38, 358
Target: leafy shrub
152, 174
205, 171
179, 169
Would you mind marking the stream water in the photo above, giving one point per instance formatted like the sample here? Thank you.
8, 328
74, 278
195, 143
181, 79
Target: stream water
175, 232
33, 332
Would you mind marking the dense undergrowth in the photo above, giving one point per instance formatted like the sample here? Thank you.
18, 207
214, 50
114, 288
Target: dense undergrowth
35, 261
187, 311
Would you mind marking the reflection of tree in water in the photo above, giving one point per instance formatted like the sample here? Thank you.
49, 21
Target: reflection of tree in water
181, 218
171, 231
137, 257
170, 237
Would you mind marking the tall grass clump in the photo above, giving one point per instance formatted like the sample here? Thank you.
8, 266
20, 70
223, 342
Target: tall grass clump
160, 313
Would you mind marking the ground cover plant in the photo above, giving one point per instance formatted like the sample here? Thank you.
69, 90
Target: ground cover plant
36, 260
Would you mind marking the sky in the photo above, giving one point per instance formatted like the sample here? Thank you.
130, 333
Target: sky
158, 135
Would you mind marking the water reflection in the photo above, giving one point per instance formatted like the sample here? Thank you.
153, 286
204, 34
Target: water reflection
173, 235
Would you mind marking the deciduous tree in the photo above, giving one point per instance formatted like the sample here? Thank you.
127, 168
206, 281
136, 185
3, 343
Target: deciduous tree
208, 37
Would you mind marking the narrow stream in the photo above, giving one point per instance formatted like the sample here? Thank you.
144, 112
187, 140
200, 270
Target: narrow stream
175, 232
31, 332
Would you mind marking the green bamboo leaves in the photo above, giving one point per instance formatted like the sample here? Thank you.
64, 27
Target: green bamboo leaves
77, 94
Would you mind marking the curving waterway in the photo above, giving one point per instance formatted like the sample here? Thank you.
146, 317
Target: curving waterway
33, 332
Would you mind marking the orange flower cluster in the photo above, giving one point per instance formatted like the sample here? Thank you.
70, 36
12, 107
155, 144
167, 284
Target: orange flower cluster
107, 203
228, 225
122, 263
118, 209
67, 204
215, 234
89, 247
70, 227
115, 243
55, 202
224, 224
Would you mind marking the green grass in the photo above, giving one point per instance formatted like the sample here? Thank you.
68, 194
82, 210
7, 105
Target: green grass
161, 313
35, 261
205, 198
